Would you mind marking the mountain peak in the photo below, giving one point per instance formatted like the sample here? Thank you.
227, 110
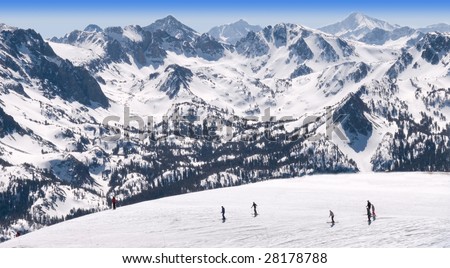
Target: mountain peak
166, 21
240, 22
370, 22
173, 27
359, 15
169, 19
231, 33
4, 27
93, 28
356, 15
356, 25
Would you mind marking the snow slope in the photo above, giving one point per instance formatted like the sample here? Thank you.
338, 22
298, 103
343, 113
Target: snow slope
412, 211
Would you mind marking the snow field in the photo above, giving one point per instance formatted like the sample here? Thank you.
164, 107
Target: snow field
412, 210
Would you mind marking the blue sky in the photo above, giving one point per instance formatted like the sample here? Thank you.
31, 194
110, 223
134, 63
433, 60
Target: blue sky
55, 18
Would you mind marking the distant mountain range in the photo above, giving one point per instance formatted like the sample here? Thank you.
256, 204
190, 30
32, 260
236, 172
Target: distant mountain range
358, 26
440, 27
278, 102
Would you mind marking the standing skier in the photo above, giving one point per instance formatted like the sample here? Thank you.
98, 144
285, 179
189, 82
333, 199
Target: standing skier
368, 207
223, 213
332, 216
373, 211
254, 208
114, 202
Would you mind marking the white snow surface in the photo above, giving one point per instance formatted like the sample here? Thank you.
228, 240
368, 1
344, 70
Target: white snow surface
412, 211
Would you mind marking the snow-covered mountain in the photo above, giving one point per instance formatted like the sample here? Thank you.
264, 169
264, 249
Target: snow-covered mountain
173, 27
233, 32
46, 105
404, 36
360, 27
411, 211
356, 25
439, 27
282, 102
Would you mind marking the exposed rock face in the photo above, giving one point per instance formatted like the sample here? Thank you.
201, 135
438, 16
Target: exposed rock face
8, 125
434, 46
178, 78
59, 77
253, 45
301, 50
357, 127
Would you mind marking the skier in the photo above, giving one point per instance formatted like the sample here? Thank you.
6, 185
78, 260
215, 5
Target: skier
223, 213
368, 207
114, 202
332, 216
254, 208
373, 211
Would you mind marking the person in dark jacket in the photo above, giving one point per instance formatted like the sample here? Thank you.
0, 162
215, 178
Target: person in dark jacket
254, 208
114, 201
368, 207
332, 216
223, 213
